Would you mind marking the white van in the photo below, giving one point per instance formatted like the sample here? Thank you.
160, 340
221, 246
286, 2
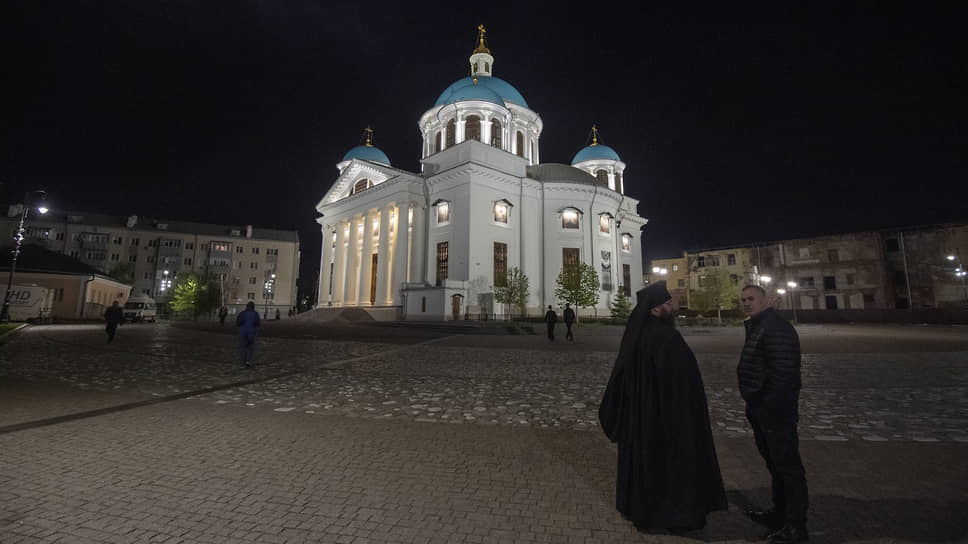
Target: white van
30, 302
140, 308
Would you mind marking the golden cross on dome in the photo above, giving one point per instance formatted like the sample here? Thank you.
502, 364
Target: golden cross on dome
369, 136
481, 48
594, 135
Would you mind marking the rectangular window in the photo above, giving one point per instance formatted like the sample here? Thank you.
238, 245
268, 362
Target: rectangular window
251, 296
807, 282
115, 257
500, 264
117, 240
850, 279
627, 279
148, 275
681, 284
252, 280
253, 266
626, 242
833, 255
146, 292
713, 260
150, 258
804, 253
604, 225
829, 283
188, 261
255, 251
442, 255
133, 259
570, 256
730, 259
569, 219
239, 249
189, 245
700, 261
443, 213
734, 279
135, 242
501, 213
59, 236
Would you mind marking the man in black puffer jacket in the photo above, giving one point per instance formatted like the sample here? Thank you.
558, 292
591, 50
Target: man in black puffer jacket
769, 381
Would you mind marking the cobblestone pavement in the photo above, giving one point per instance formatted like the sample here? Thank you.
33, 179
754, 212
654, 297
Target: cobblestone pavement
332, 441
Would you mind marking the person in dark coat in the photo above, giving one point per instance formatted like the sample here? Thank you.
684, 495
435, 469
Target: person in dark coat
655, 408
569, 321
278, 315
248, 323
769, 381
222, 314
551, 318
113, 317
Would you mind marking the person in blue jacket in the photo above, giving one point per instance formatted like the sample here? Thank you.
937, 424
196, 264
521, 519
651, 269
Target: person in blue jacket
248, 323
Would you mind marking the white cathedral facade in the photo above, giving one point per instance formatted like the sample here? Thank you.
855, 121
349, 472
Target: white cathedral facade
433, 244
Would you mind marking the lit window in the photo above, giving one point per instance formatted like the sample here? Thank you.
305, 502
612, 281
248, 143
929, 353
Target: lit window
605, 224
675, 268
361, 185
569, 219
443, 212
626, 242
501, 212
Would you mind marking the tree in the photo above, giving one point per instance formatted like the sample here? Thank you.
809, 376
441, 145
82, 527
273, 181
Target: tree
515, 290
621, 307
122, 272
717, 293
578, 285
196, 293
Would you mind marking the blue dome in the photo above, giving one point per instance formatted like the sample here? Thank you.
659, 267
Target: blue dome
367, 153
501, 88
475, 92
592, 152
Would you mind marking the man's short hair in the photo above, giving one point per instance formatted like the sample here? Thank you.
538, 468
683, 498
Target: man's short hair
756, 287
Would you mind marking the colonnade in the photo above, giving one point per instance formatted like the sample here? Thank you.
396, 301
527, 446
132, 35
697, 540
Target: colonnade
347, 276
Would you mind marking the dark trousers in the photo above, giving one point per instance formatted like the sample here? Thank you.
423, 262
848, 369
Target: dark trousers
568, 334
780, 448
111, 329
551, 331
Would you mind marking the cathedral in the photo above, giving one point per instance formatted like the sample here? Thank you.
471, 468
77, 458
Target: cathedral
434, 244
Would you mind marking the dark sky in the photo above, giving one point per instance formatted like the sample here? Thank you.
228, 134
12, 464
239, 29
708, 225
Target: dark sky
736, 124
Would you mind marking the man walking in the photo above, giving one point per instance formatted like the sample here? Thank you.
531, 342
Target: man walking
569, 320
655, 408
113, 317
769, 381
551, 318
248, 323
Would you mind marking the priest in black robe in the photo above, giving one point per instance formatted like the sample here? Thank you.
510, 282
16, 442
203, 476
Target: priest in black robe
655, 408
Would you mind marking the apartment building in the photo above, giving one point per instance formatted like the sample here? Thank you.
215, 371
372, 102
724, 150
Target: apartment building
252, 264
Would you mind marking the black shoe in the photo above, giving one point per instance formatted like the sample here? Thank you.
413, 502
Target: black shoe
768, 518
788, 534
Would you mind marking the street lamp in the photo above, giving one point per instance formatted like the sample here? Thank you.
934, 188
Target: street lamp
39, 199
961, 273
267, 292
766, 279
781, 292
793, 298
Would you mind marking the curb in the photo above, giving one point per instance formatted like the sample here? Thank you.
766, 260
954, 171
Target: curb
4, 336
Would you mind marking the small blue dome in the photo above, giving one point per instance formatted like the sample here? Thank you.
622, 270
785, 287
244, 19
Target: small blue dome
592, 152
367, 153
504, 90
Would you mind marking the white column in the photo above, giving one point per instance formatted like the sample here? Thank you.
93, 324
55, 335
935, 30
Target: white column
611, 179
339, 263
325, 262
352, 263
485, 130
399, 269
417, 253
460, 131
383, 261
366, 258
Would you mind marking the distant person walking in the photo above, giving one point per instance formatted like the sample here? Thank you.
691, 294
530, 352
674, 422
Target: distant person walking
569, 321
278, 315
113, 317
551, 318
223, 312
769, 381
655, 408
248, 323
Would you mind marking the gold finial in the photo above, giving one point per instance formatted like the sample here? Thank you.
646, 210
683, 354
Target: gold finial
481, 48
369, 136
475, 80
594, 135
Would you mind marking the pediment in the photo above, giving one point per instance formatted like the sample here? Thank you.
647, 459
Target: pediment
355, 171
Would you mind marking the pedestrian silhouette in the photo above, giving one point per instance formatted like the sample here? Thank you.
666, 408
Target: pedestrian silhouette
569, 321
222, 314
113, 317
551, 318
248, 323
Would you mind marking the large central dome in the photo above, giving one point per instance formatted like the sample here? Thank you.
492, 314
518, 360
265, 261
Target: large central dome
463, 89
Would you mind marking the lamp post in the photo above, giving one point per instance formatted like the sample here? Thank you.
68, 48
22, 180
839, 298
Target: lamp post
41, 202
267, 292
793, 298
961, 273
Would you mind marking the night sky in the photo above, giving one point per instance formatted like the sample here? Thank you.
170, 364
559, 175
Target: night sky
736, 124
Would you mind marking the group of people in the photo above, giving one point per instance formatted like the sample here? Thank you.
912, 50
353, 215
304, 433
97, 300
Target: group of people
551, 319
655, 409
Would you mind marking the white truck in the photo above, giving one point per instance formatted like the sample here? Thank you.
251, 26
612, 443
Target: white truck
140, 308
30, 303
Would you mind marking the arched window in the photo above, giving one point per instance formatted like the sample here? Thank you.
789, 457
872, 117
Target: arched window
618, 183
495, 133
501, 210
443, 212
486, 67
602, 177
604, 224
472, 128
437, 142
520, 142
451, 133
570, 219
361, 185
626, 242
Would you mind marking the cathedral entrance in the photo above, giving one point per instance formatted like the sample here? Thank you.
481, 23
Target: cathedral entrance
455, 306
373, 281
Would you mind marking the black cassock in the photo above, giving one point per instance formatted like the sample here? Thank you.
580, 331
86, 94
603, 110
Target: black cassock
655, 408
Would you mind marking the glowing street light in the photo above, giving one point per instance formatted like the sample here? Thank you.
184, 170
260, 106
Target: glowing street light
793, 299
766, 279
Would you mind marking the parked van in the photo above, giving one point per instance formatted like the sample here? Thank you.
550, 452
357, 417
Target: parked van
30, 303
140, 308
